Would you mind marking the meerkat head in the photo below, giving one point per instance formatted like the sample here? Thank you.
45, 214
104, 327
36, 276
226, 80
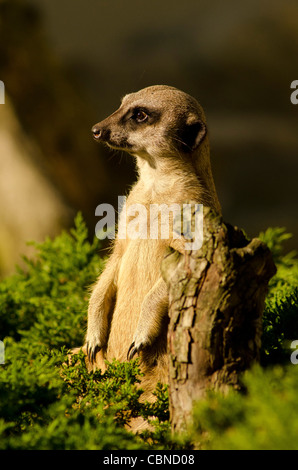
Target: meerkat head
156, 122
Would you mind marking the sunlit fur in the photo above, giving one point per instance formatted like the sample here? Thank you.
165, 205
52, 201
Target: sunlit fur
129, 302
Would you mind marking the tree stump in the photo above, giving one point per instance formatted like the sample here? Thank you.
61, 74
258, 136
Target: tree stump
216, 301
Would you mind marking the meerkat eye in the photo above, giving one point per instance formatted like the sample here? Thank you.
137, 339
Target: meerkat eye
140, 116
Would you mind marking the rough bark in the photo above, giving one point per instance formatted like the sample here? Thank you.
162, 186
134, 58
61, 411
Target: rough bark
216, 296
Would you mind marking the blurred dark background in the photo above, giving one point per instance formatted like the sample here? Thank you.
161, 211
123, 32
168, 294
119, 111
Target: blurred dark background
66, 64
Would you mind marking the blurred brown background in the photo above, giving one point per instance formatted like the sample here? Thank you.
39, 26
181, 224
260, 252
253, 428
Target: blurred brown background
66, 64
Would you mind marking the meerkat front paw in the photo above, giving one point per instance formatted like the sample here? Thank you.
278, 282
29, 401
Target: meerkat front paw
92, 351
133, 350
138, 344
93, 346
153, 314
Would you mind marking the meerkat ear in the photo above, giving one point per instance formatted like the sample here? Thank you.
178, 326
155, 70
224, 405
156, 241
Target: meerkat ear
194, 132
201, 129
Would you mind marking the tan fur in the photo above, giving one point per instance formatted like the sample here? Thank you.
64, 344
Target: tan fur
129, 301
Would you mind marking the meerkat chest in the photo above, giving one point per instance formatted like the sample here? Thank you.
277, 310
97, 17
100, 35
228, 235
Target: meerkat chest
140, 262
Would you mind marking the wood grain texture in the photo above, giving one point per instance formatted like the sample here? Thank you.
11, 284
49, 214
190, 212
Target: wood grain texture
216, 301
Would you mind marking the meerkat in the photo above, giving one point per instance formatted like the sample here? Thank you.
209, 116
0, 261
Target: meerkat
165, 130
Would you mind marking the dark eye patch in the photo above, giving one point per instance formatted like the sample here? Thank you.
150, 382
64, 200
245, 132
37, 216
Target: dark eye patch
135, 114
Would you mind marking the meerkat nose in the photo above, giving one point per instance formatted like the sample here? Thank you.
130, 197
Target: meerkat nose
96, 130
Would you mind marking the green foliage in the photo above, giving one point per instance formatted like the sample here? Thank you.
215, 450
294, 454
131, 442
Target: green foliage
48, 401
47, 301
264, 418
52, 403
280, 318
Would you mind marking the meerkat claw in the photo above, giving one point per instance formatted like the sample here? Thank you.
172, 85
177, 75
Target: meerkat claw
132, 351
91, 353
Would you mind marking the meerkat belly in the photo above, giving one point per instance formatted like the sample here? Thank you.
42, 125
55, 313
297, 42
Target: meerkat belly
139, 271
